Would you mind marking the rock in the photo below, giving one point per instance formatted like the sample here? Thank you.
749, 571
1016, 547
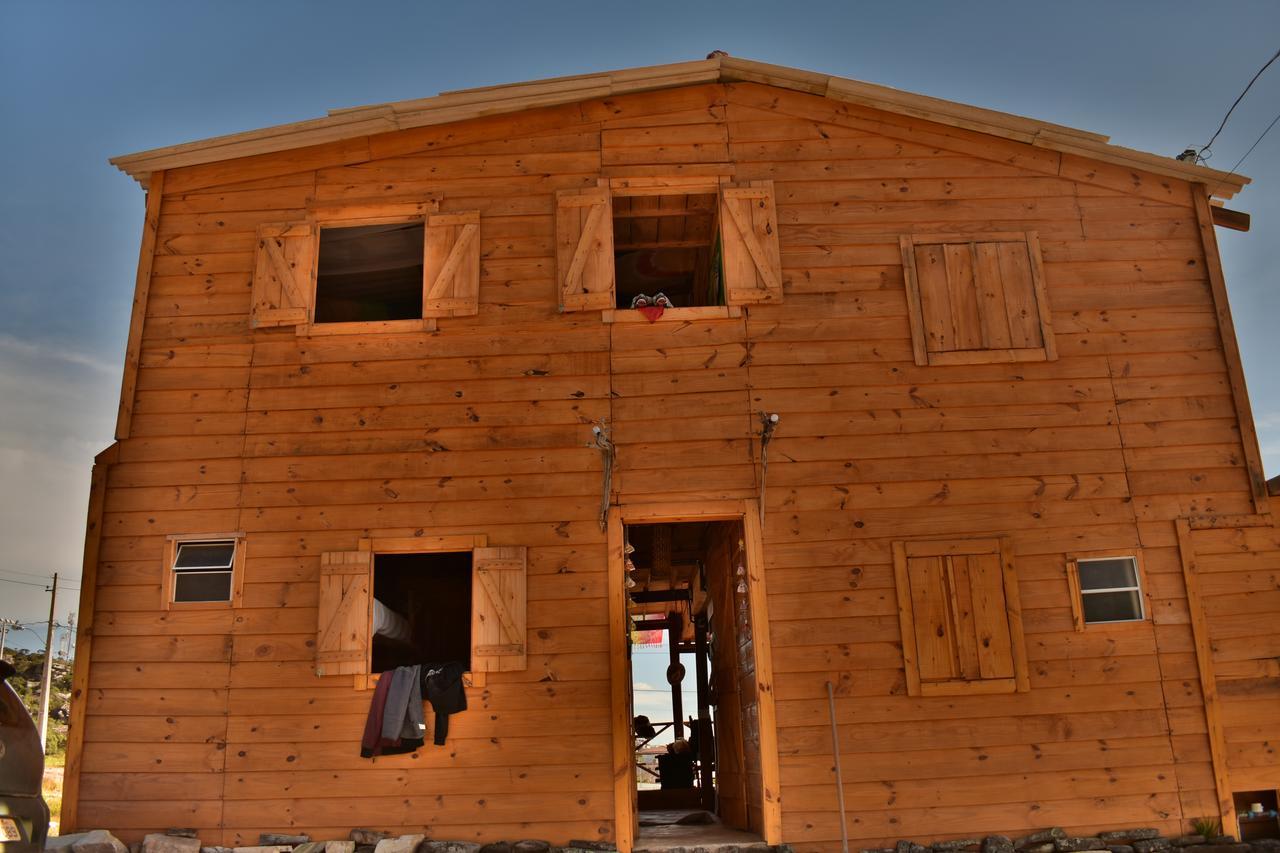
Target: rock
367, 836
496, 847
264, 848
158, 843
314, 847
957, 844
449, 847
403, 844
182, 833
1044, 847
606, 846
216, 849
275, 839
1129, 834
1187, 840
1120, 848
997, 844
531, 846
339, 847
1074, 845
1150, 845
1040, 837
1266, 845
1232, 847
97, 841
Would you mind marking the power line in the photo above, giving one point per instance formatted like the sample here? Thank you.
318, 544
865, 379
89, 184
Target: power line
1261, 136
1236, 103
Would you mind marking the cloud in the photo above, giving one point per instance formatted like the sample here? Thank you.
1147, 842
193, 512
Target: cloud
12, 345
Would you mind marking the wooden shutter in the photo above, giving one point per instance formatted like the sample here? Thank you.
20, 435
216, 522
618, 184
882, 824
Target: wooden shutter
283, 272
749, 241
498, 620
584, 249
961, 623
451, 265
975, 301
345, 613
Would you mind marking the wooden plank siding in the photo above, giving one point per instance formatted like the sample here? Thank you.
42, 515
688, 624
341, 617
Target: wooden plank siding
307, 444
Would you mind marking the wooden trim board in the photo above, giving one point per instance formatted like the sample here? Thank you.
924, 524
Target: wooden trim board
1231, 350
1208, 680
138, 315
84, 637
625, 815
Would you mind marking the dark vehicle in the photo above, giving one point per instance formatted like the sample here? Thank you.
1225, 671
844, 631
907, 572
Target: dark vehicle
24, 817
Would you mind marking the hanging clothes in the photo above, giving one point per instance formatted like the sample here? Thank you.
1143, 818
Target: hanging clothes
396, 722
446, 694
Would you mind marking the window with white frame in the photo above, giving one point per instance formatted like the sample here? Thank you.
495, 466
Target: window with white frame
202, 569
1110, 590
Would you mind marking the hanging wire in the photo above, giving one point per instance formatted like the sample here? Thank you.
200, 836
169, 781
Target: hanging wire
602, 441
1200, 154
1261, 137
768, 423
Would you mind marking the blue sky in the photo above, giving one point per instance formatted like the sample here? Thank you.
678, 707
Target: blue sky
81, 81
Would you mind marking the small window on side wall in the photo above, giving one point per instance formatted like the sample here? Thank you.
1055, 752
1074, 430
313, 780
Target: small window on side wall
203, 570
1105, 590
370, 272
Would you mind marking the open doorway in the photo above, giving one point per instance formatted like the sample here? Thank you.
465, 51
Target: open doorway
693, 682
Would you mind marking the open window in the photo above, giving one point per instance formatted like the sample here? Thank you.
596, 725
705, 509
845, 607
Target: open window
1105, 589
960, 617
674, 244
977, 300
203, 570
331, 276
398, 603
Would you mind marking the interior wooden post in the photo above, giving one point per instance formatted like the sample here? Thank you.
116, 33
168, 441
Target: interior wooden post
624, 785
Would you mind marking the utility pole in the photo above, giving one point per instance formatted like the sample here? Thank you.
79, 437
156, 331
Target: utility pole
46, 682
5, 625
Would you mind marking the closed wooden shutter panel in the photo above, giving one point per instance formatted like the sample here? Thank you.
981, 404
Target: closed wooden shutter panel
749, 241
498, 610
344, 613
451, 265
584, 249
962, 627
977, 300
283, 271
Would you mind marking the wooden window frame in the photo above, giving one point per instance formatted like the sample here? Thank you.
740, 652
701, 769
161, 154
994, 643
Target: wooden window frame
915, 304
368, 679
1003, 545
237, 571
1078, 593
630, 187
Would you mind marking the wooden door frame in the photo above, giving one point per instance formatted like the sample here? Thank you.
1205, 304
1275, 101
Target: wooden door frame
746, 511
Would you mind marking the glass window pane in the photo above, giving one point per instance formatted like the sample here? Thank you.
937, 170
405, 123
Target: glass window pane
202, 586
205, 555
1107, 574
1112, 606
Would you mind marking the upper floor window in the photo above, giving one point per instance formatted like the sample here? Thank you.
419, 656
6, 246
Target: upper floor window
202, 569
370, 272
977, 301
666, 251
1106, 589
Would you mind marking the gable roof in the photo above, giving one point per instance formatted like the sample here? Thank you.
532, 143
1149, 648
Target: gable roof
466, 104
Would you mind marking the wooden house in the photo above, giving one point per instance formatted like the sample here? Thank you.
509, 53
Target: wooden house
941, 445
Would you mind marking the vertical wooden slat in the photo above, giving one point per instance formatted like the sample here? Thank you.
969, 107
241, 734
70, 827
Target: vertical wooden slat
1208, 679
138, 315
964, 628
624, 783
935, 297
991, 300
1019, 295
915, 303
994, 647
1013, 616
961, 287
1231, 350
758, 601
934, 640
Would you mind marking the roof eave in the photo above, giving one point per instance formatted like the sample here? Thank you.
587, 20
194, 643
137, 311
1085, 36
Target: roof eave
465, 104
